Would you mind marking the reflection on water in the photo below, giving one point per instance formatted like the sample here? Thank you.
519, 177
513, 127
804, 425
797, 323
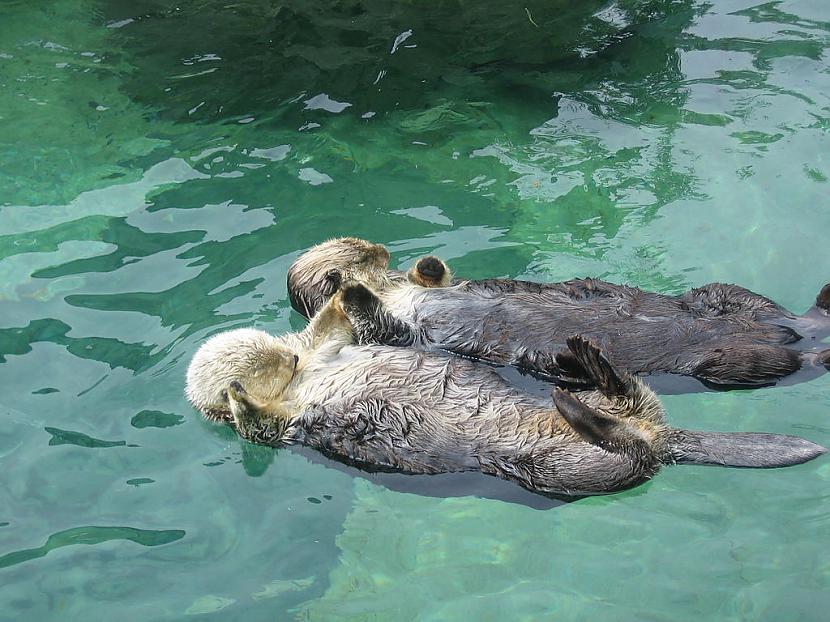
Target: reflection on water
92, 535
163, 163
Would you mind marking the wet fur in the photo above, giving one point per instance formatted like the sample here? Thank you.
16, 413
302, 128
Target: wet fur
724, 335
423, 412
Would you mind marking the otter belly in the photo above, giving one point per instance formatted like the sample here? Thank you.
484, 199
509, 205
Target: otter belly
640, 331
417, 411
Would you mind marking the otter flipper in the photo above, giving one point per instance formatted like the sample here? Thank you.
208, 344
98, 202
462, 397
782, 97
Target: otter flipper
606, 431
590, 424
744, 449
750, 364
587, 358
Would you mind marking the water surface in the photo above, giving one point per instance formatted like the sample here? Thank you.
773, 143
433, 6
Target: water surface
163, 163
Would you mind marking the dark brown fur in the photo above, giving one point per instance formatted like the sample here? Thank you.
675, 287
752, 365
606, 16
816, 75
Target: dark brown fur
724, 335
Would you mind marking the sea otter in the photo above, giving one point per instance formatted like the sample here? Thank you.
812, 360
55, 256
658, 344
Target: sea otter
723, 335
417, 411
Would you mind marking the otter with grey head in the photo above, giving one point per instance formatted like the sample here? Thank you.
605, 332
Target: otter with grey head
425, 412
723, 335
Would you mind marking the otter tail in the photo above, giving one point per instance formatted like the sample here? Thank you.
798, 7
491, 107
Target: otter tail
643, 437
741, 449
731, 449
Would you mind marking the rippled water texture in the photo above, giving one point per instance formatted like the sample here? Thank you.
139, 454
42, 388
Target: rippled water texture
163, 163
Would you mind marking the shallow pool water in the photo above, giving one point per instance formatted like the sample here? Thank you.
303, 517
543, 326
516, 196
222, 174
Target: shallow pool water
163, 163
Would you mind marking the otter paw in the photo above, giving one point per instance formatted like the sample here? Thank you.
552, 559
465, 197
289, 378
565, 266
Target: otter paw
431, 268
357, 295
429, 271
242, 409
332, 281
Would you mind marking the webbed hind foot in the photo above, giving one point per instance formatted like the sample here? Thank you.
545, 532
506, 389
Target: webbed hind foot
584, 360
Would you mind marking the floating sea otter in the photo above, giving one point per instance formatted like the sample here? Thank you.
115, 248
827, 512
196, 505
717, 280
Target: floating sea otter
427, 412
723, 335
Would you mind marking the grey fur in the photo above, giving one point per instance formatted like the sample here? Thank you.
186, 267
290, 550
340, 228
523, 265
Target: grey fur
724, 335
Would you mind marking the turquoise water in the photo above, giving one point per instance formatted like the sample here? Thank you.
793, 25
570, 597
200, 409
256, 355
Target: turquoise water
163, 163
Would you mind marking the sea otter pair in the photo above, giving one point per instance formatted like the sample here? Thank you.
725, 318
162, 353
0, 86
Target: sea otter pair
346, 387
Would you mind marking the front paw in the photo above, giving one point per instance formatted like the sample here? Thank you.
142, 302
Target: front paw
356, 296
236, 389
240, 404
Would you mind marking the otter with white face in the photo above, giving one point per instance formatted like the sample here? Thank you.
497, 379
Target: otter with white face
423, 412
723, 335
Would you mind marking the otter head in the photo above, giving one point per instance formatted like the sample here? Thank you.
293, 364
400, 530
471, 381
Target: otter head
430, 271
253, 358
318, 273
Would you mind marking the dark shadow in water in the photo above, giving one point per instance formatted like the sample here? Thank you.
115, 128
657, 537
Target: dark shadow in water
249, 56
465, 484
68, 437
155, 419
256, 459
92, 535
113, 352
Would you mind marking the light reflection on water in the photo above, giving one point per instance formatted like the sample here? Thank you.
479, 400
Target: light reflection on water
161, 166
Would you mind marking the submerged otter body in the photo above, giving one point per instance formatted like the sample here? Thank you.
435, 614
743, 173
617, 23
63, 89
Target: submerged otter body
721, 334
426, 412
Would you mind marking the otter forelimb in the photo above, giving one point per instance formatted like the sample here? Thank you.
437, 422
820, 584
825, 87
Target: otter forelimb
370, 320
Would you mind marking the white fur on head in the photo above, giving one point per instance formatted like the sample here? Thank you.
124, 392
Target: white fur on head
316, 274
223, 358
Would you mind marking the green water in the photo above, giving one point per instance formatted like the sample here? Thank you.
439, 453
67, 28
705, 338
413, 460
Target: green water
162, 164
